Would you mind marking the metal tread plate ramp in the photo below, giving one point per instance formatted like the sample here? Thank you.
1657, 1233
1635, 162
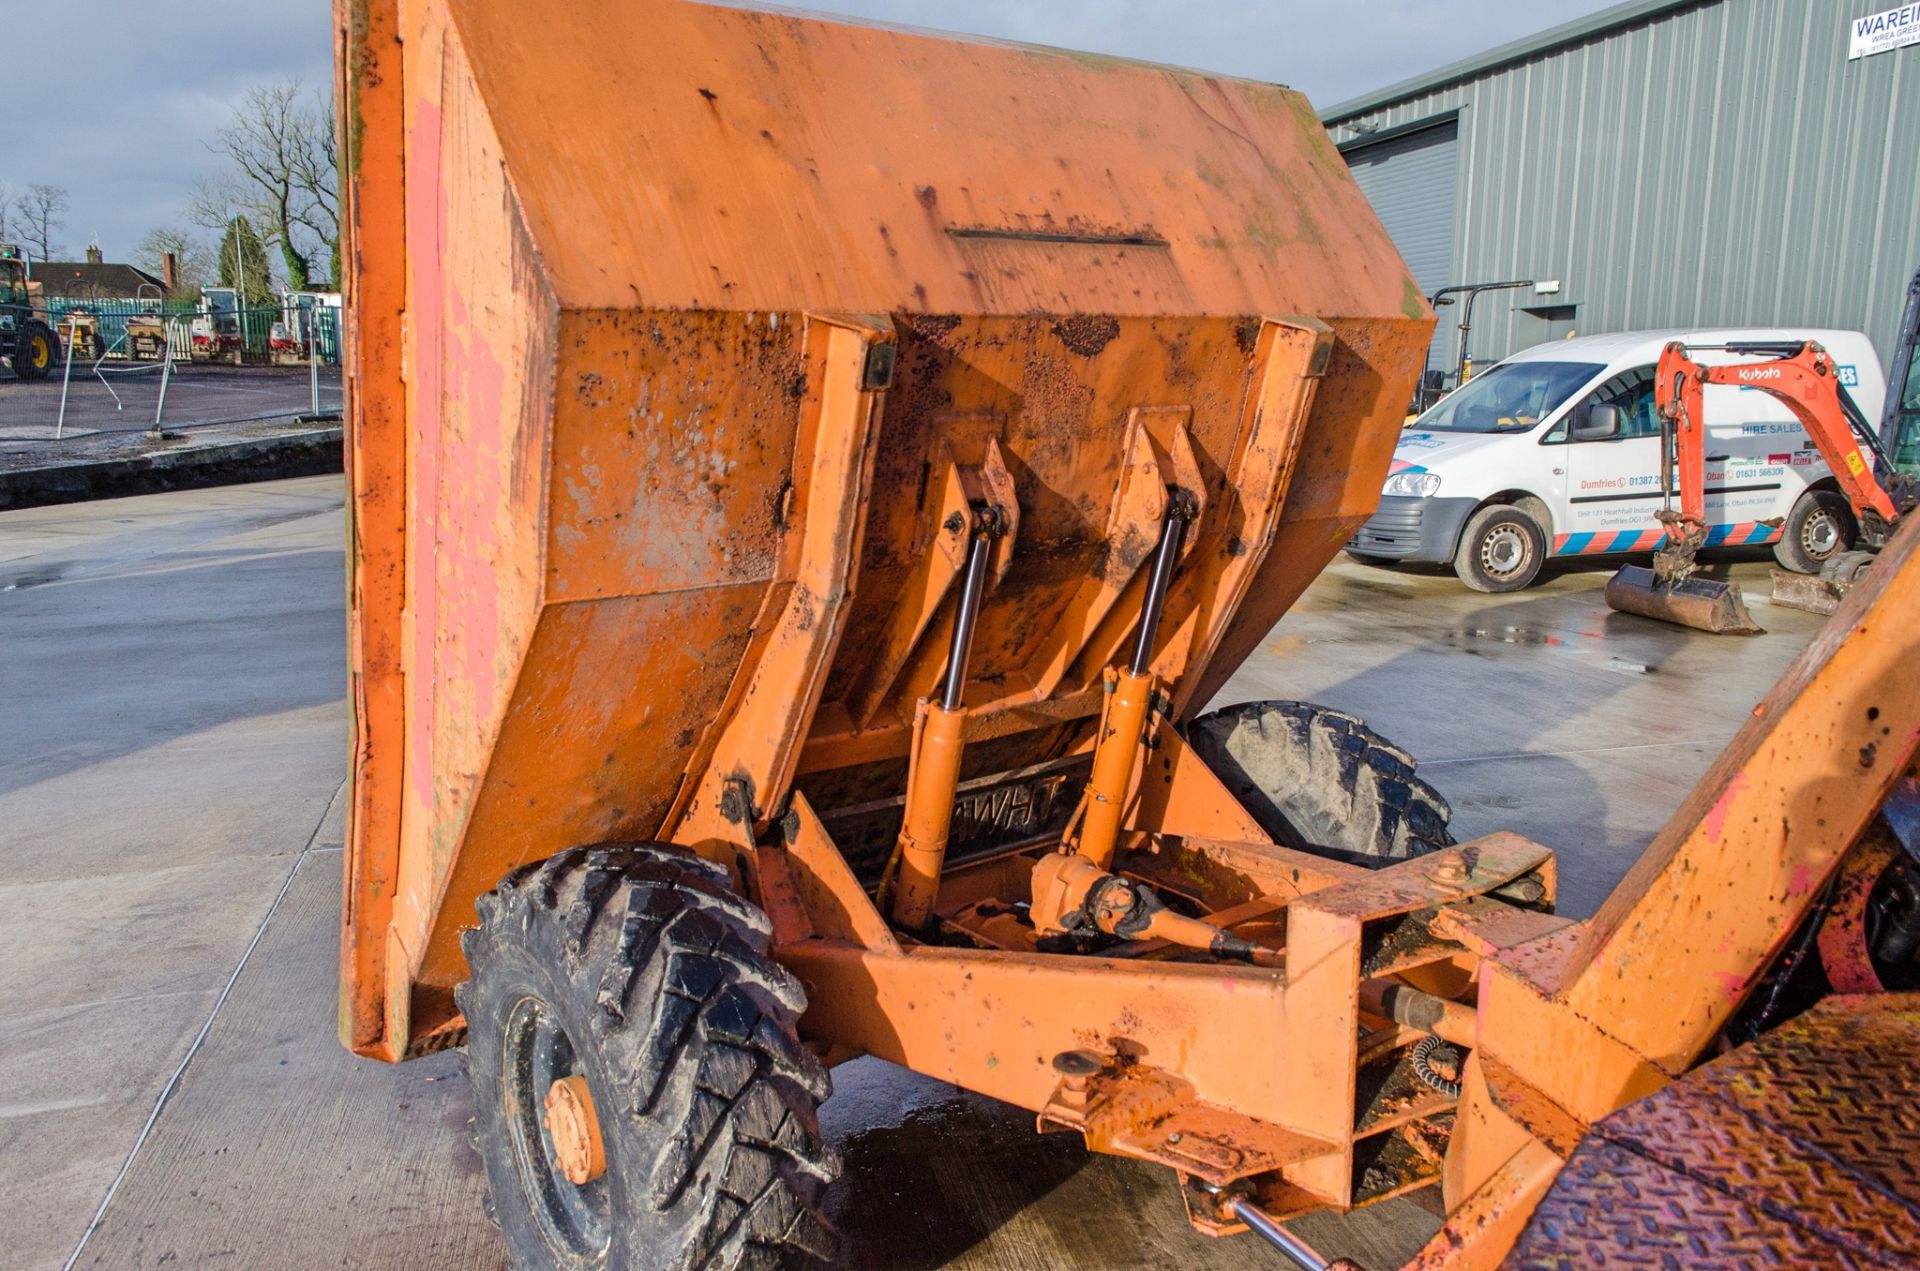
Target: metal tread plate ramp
1798, 1149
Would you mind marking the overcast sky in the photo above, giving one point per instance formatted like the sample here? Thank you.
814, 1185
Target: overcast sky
120, 99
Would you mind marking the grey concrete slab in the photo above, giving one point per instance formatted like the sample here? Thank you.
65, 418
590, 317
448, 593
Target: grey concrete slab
132, 934
172, 736
280, 1149
262, 784
71, 1103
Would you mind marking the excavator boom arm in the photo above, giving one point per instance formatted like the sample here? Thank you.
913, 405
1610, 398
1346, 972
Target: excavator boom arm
1806, 382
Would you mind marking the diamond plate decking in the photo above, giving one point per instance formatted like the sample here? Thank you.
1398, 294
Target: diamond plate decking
1797, 1150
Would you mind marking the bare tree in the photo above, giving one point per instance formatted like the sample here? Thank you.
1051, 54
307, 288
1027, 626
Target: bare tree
192, 257
6, 213
41, 213
283, 152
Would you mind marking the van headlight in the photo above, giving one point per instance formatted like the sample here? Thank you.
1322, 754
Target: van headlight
1413, 485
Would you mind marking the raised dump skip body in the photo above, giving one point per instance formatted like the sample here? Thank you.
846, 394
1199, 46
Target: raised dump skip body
684, 337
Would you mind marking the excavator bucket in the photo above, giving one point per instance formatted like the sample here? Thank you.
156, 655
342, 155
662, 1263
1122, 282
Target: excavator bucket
1700, 603
1820, 593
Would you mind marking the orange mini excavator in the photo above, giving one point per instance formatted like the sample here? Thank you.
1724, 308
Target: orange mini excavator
1804, 377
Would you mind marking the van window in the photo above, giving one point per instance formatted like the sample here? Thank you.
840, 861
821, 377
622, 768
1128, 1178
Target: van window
1511, 397
1631, 392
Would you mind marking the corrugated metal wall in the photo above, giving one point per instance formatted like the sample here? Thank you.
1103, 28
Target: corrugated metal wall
1410, 181
1722, 163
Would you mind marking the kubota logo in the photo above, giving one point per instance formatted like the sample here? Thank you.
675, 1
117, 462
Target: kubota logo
1750, 374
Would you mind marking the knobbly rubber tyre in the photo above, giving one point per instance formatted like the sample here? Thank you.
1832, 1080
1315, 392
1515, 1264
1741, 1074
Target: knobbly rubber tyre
1818, 528
1320, 780
633, 965
1501, 549
36, 350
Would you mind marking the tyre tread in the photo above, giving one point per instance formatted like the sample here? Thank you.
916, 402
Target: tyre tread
718, 1092
1318, 778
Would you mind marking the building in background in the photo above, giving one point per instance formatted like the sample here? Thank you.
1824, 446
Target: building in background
94, 278
1667, 162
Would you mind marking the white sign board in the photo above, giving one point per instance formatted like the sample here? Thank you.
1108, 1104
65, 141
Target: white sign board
1884, 32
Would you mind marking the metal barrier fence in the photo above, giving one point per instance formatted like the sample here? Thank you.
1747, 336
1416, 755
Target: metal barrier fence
150, 338
126, 330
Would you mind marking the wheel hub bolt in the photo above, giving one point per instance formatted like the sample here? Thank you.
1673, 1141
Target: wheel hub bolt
574, 1127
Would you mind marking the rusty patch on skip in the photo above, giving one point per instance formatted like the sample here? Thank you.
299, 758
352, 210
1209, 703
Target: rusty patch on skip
1246, 334
935, 328
1087, 334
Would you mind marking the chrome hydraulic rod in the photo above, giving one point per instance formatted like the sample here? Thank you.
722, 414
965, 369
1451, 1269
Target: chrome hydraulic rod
972, 585
1130, 696
933, 768
1263, 1225
1173, 533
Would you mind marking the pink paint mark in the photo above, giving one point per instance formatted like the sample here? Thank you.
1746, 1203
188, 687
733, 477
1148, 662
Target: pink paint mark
1717, 817
1733, 984
474, 569
426, 226
1802, 881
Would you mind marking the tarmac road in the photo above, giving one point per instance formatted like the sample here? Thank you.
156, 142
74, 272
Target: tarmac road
172, 744
123, 399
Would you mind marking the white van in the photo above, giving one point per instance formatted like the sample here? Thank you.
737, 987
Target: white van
1515, 465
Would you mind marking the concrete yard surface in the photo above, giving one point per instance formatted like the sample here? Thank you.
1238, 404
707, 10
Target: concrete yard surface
173, 738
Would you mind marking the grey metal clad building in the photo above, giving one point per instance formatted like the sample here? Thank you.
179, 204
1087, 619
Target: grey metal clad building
1670, 162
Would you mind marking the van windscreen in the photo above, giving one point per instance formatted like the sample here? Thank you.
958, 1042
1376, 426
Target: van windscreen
1511, 397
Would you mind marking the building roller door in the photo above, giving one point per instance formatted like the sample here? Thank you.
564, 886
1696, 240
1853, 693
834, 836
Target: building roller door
1410, 180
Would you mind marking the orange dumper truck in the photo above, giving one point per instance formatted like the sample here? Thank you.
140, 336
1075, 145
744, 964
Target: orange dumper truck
808, 480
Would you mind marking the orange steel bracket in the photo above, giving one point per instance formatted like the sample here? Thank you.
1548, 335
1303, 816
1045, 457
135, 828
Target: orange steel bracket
912, 629
373, 228
1180, 794
1478, 1235
750, 764
1159, 453
1292, 354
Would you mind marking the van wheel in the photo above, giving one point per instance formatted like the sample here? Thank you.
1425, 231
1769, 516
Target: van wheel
1500, 550
641, 1098
1819, 528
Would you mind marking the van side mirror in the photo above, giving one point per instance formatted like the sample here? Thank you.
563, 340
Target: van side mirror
1598, 422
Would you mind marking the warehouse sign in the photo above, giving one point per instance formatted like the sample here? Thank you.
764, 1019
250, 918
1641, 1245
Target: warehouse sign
1884, 32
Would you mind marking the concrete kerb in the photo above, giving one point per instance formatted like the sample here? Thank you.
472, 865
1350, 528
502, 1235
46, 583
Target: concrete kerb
139, 465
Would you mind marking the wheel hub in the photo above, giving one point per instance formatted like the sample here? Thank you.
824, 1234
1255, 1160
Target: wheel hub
574, 1128
1822, 534
1504, 550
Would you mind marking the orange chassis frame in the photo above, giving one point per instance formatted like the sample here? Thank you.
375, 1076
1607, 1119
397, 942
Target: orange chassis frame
1248, 1077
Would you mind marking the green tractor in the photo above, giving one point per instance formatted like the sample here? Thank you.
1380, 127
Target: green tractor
26, 335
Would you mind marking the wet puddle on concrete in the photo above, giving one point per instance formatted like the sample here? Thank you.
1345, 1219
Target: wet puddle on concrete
34, 578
